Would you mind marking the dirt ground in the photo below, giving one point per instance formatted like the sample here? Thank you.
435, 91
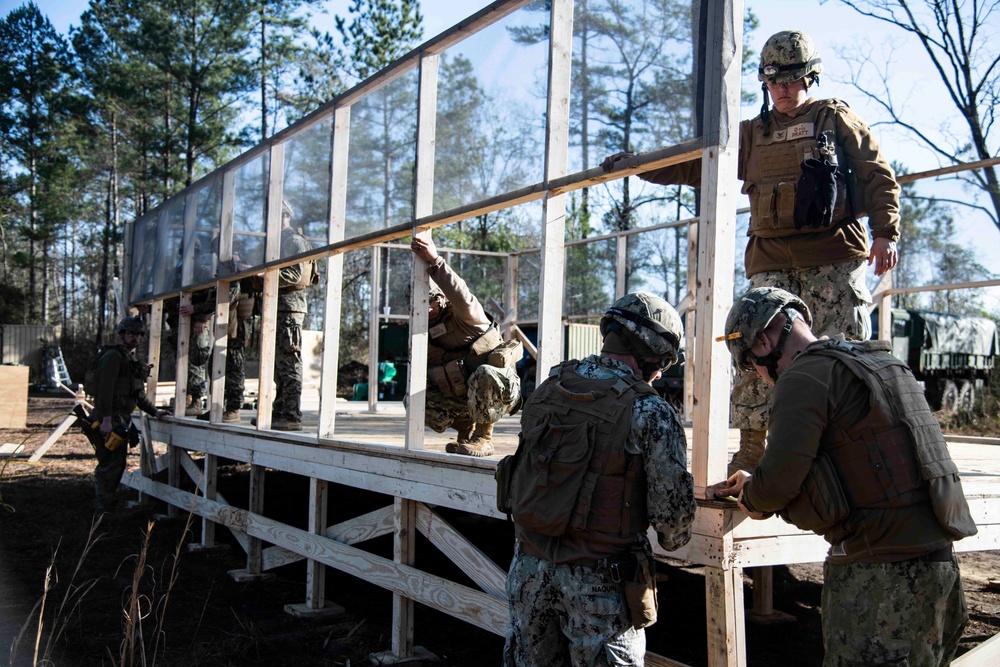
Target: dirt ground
190, 612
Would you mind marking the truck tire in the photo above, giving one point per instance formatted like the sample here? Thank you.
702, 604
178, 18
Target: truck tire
966, 395
949, 396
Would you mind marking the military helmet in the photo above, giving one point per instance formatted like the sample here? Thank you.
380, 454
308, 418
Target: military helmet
788, 56
434, 292
131, 324
651, 319
751, 314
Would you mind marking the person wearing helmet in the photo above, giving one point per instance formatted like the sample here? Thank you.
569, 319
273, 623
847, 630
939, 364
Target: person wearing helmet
602, 457
119, 387
812, 171
854, 454
471, 380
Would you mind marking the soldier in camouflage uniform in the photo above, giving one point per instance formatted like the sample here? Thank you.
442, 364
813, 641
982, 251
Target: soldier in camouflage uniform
812, 170
855, 454
201, 309
567, 583
471, 378
120, 387
292, 307
241, 303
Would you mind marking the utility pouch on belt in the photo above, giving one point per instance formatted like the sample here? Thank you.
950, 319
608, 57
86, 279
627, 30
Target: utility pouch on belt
455, 371
506, 355
640, 591
449, 378
438, 377
118, 435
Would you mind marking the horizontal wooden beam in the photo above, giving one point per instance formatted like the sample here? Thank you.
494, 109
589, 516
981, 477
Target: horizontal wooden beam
953, 169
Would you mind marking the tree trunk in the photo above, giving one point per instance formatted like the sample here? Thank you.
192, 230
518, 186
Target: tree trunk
263, 71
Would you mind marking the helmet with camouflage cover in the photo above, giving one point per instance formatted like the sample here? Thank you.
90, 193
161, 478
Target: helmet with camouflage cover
434, 292
752, 313
651, 319
788, 56
132, 325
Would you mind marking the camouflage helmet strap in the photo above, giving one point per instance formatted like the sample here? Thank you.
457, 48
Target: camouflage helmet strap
770, 360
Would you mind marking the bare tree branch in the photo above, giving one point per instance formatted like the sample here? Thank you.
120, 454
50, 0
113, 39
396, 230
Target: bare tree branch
959, 39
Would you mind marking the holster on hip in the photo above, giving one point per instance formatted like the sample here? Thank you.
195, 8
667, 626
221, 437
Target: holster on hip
640, 591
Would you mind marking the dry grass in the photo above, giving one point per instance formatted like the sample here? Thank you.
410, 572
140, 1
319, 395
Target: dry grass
147, 597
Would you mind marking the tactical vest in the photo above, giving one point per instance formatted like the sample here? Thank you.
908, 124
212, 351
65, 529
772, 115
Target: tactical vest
892, 457
775, 164
130, 382
453, 357
574, 475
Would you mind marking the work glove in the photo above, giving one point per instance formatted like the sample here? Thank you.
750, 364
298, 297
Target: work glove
816, 194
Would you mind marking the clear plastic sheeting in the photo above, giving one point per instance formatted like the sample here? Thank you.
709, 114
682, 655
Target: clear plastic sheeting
250, 187
381, 158
167, 265
143, 256
307, 180
206, 232
491, 111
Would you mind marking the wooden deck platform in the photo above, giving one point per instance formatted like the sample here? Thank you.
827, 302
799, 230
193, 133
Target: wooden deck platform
368, 452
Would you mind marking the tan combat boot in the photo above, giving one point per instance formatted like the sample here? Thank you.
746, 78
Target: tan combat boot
192, 406
464, 426
481, 444
751, 449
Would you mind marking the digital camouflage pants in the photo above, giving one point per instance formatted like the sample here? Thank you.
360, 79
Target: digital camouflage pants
838, 299
288, 367
907, 613
236, 377
493, 393
199, 352
567, 615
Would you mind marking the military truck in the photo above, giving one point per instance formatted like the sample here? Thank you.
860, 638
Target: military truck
953, 356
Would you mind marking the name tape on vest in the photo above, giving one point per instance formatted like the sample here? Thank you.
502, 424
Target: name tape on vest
800, 131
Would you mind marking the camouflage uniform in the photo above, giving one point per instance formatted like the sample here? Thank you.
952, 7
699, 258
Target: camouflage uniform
235, 351
834, 311
548, 594
822, 263
492, 392
904, 613
555, 627
292, 307
199, 344
892, 592
199, 354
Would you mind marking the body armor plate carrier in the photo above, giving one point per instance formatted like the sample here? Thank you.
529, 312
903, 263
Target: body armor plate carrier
896, 455
574, 474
